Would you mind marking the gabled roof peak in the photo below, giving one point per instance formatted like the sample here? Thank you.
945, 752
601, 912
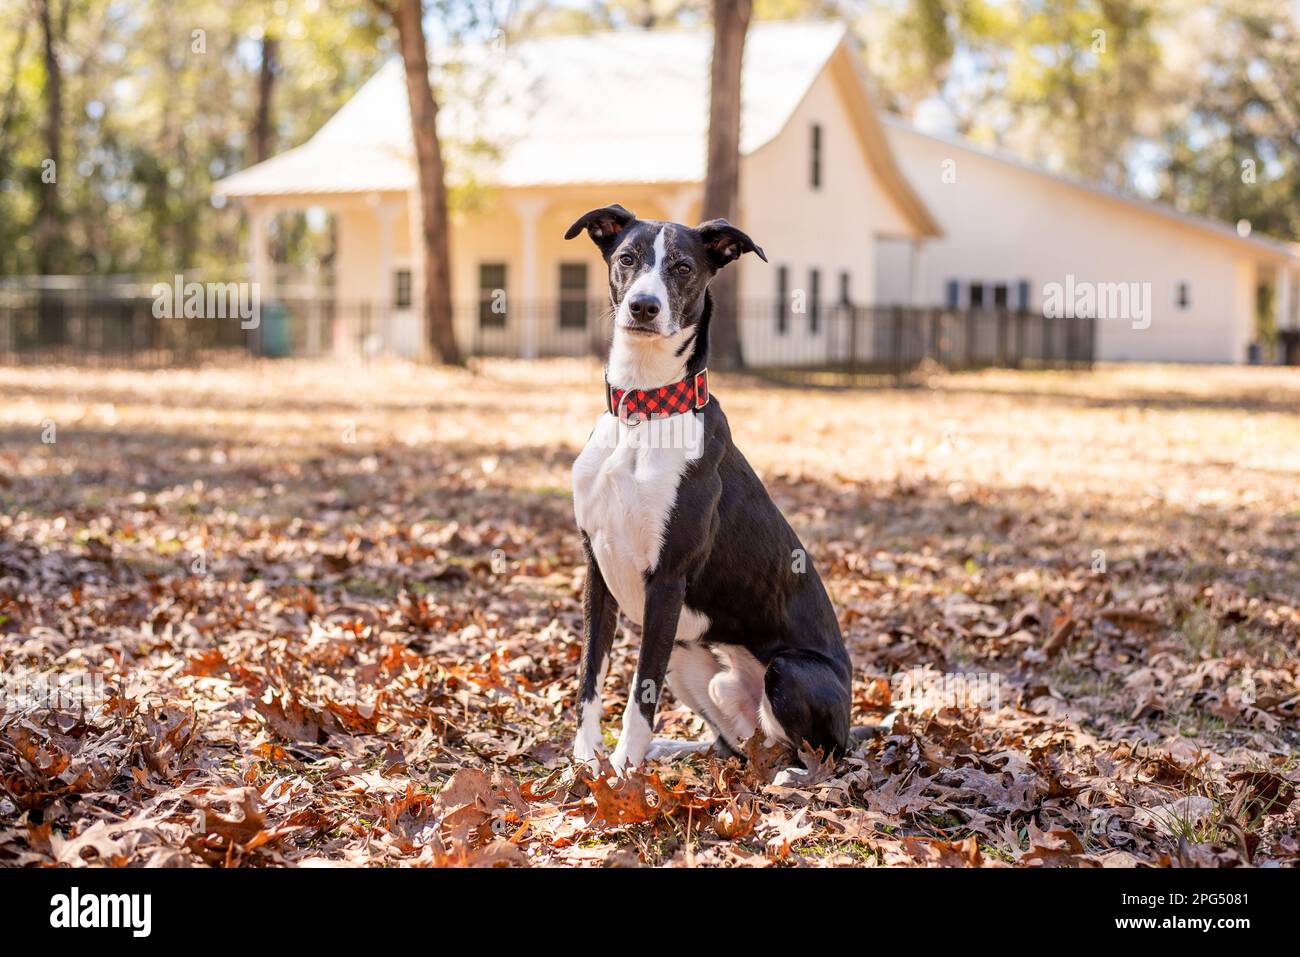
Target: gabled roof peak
547, 109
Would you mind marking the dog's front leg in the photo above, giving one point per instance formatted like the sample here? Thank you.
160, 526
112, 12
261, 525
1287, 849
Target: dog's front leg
599, 616
663, 606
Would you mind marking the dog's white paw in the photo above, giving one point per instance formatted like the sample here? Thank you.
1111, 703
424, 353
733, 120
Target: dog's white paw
789, 778
621, 759
634, 742
585, 754
587, 743
587, 748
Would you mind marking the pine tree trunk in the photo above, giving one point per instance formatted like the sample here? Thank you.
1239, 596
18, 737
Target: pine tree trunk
433, 187
722, 181
52, 324
265, 89
48, 233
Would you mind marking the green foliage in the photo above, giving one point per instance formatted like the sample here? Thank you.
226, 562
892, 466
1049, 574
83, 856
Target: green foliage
158, 103
160, 99
1165, 97
1236, 155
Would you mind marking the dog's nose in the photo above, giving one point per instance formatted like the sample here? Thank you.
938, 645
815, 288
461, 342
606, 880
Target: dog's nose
643, 307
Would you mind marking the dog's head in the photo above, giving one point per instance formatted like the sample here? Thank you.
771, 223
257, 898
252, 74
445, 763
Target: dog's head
658, 272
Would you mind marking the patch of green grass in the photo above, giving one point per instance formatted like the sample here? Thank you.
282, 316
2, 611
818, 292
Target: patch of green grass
560, 491
856, 849
997, 852
371, 587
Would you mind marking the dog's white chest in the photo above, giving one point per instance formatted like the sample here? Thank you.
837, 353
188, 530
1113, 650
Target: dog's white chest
625, 485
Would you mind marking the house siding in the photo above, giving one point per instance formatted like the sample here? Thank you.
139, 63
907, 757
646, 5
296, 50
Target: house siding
831, 228
1003, 223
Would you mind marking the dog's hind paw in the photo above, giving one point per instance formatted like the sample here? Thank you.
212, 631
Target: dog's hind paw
666, 749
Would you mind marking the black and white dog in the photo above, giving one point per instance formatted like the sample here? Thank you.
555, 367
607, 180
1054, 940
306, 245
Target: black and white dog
680, 533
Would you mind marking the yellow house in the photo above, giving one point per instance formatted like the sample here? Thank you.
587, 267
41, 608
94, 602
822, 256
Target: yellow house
538, 131
574, 122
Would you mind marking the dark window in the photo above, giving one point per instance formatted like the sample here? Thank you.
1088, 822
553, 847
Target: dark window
1022, 295
492, 295
1184, 295
845, 298
814, 298
573, 295
402, 289
954, 294
977, 295
1000, 296
782, 298
816, 156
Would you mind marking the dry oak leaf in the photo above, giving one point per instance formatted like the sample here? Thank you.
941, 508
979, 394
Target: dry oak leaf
930, 850
1261, 792
1175, 817
289, 718
468, 805
206, 663
1059, 847
217, 837
636, 798
784, 833
357, 719
168, 733
734, 821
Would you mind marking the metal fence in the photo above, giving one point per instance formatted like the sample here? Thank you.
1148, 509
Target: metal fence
127, 327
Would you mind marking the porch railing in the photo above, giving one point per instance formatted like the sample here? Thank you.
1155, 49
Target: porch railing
125, 328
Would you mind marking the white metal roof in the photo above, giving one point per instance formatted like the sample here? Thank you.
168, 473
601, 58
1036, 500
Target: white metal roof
1276, 248
623, 106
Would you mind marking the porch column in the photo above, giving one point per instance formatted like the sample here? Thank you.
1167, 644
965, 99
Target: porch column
529, 210
1285, 280
415, 219
385, 214
260, 268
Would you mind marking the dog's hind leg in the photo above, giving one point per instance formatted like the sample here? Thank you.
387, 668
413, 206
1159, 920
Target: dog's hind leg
806, 701
723, 685
690, 669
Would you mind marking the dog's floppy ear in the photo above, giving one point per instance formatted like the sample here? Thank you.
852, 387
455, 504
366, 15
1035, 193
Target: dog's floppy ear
603, 225
726, 243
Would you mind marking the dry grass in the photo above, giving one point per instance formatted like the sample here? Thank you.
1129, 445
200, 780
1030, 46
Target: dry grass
318, 592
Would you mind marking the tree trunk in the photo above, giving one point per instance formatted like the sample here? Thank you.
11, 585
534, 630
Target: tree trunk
51, 322
722, 181
48, 233
433, 187
265, 88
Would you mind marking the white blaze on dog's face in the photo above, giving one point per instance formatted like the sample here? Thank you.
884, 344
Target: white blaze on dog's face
657, 278
658, 275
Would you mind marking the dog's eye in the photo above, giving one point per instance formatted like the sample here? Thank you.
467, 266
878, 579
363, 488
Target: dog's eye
683, 269
626, 259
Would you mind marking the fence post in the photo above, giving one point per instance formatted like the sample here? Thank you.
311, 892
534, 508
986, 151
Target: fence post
897, 340
854, 313
969, 359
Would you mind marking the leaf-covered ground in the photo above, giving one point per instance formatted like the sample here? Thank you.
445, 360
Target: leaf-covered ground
309, 614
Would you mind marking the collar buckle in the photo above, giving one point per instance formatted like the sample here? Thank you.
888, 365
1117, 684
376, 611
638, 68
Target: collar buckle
701, 389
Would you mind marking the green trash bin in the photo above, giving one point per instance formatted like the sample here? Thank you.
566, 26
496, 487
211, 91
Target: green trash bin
273, 331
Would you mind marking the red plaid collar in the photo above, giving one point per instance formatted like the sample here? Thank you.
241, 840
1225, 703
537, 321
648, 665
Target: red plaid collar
685, 395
